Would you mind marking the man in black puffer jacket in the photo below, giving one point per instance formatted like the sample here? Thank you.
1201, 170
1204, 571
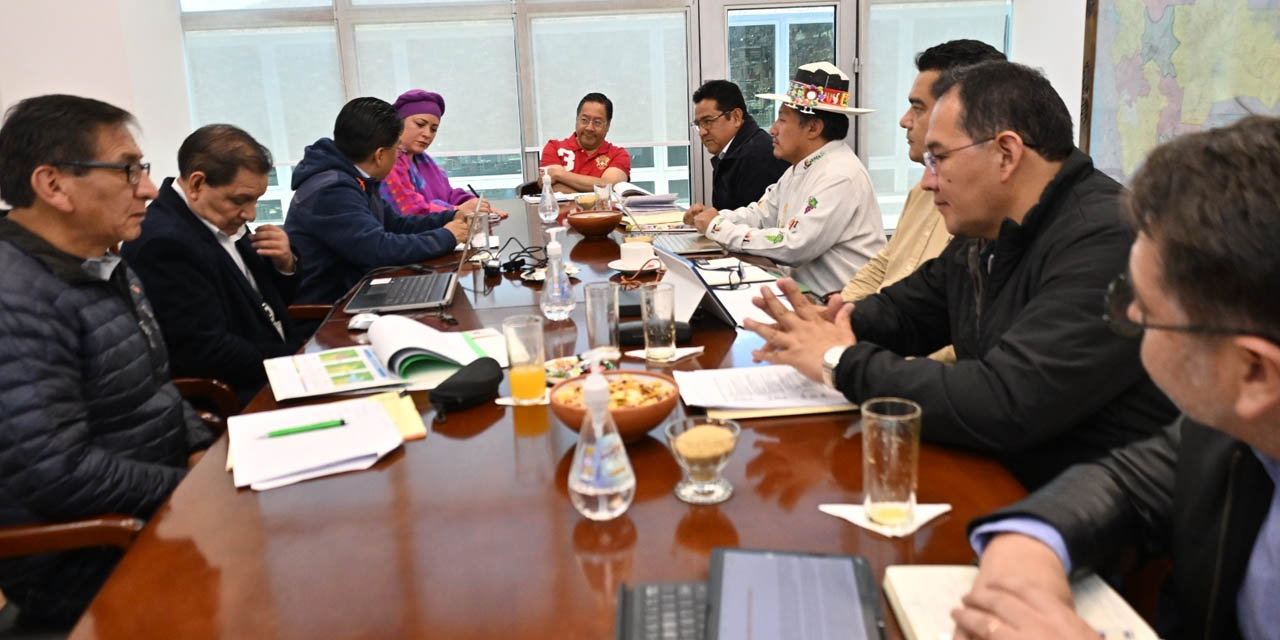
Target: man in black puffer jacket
1201, 288
89, 421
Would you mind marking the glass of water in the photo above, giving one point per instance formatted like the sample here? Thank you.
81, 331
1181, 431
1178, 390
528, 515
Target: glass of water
602, 320
890, 460
604, 196
658, 312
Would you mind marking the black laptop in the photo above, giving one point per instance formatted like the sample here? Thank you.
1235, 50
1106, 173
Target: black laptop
400, 293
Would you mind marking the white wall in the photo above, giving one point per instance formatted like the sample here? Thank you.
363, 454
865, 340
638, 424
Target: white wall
1049, 35
126, 52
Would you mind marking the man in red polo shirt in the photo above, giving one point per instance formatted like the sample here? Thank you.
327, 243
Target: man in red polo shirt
584, 158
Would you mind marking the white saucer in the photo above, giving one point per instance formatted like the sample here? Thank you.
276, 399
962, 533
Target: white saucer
618, 265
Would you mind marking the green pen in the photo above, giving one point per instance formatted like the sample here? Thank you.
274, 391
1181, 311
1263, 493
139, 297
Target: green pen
327, 424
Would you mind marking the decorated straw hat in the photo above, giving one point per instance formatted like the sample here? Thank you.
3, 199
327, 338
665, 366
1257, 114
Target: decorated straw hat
819, 85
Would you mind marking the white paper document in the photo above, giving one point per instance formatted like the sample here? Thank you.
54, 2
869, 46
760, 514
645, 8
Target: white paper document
738, 303
262, 462
560, 197
768, 387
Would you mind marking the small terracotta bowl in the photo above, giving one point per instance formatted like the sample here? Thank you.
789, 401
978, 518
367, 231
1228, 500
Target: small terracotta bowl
633, 422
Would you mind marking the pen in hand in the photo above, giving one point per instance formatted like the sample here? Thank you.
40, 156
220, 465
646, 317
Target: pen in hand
327, 424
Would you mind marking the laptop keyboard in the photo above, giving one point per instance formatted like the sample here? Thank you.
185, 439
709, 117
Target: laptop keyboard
675, 611
415, 289
679, 243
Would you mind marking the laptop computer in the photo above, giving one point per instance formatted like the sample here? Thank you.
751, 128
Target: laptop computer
686, 243
399, 293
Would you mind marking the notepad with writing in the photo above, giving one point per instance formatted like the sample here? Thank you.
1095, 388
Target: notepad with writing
922, 597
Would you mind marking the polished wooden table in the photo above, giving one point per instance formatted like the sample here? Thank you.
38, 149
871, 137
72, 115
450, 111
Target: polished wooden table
470, 533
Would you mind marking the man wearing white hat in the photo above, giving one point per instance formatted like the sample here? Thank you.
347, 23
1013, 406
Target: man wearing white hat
821, 217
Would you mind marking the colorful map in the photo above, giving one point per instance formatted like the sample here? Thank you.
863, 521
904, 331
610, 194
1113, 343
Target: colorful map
1167, 67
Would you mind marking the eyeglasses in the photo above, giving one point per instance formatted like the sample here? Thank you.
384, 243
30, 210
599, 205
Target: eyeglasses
1116, 313
591, 122
133, 171
932, 160
706, 122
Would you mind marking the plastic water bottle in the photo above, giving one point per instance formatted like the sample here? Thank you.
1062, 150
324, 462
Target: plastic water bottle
557, 291
548, 210
601, 481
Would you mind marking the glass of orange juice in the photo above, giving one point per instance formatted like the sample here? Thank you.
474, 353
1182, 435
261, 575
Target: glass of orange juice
528, 376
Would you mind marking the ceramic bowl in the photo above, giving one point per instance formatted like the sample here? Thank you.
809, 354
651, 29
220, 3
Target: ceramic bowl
633, 422
594, 224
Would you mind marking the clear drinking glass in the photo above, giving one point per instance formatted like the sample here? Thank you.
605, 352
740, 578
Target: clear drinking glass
890, 460
702, 446
604, 196
528, 375
602, 320
478, 228
658, 313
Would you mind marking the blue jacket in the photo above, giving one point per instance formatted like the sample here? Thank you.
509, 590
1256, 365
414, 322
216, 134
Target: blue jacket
214, 323
89, 422
340, 230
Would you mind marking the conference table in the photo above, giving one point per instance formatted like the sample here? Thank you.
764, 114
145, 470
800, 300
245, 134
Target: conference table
469, 533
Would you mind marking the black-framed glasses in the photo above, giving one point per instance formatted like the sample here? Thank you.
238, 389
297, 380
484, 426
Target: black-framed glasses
932, 160
706, 122
133, 171
1116, 313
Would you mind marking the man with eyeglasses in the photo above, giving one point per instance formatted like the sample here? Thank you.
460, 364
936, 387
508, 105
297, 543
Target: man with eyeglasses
742, 160
920, 235
585, 158
1201, 290
1039, 381
89, 421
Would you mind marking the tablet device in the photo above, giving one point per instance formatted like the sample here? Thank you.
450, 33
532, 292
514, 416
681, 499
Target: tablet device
799, 596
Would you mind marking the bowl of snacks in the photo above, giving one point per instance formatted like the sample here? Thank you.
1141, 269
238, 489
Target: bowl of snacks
638, 401
594, 224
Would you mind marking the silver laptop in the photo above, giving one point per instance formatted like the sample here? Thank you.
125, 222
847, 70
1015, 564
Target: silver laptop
399, 293
685, 243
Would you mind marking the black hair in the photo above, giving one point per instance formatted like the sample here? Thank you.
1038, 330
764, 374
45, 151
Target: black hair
48, 130
956, 53
365, 125
1006, 96
600, 98
220, 151
726, 95
1210, 202
835, 126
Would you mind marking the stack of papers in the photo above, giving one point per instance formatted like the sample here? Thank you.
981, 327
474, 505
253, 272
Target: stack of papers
642, 204
757, 392
261, 457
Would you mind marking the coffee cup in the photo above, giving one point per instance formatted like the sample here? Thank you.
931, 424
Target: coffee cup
635, 254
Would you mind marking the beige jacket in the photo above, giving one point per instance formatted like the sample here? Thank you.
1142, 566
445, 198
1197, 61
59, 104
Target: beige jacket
920, 236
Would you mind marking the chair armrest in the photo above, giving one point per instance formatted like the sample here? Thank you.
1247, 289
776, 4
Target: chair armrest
29, 539
219, 394
299, 312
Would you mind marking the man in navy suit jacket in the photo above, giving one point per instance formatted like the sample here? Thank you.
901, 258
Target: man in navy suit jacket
220, 293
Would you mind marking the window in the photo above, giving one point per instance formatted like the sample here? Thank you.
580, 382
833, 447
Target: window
479, 138
766, 46
282, 69
899, 31
642, 68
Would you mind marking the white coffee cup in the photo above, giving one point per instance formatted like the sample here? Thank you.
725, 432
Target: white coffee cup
635, 254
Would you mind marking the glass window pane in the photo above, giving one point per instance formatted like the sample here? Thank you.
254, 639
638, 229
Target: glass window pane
227, 5
899, 31
643, 70
479, 138
642, 67
374, 3
283, 86
766, 46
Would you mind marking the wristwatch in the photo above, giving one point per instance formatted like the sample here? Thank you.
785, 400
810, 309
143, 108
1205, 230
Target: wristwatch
831, 360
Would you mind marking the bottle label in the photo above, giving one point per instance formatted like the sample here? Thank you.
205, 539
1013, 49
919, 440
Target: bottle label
605, 464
